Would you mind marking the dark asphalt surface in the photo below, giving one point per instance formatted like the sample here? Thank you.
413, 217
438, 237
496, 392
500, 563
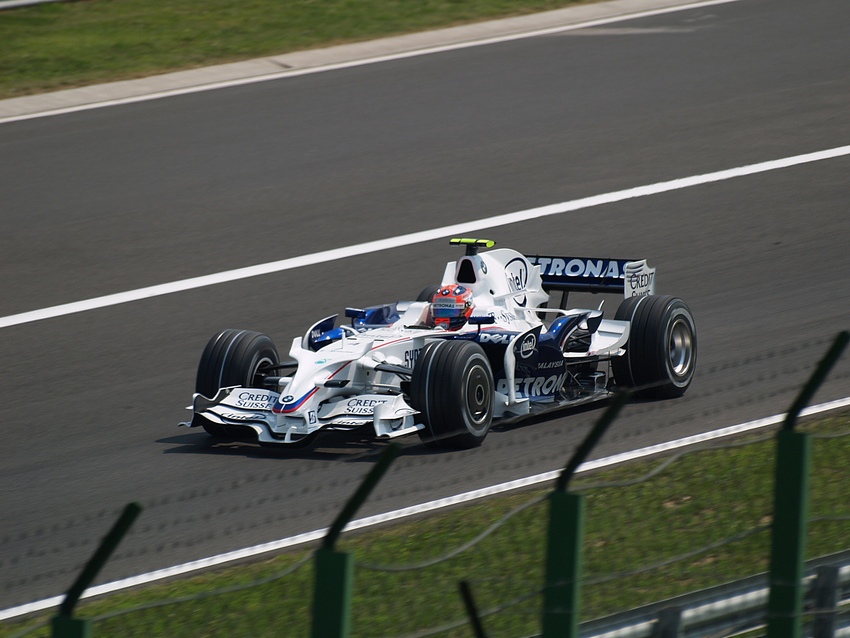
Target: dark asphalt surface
115, 199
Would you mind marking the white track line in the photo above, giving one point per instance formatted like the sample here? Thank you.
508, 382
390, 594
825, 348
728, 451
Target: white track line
418, 237
374, 59
406, 512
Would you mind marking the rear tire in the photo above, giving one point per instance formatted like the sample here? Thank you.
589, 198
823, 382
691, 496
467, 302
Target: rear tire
427, 293
230, 358
661, 352
452, 388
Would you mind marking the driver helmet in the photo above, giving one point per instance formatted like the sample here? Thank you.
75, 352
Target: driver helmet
451, 306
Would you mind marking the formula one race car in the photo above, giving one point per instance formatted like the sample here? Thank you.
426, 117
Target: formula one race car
483, 347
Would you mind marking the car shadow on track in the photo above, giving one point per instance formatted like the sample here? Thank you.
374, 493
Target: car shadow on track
349, 447
331, 446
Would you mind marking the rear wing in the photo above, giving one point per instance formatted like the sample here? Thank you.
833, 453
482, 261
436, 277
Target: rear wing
630, 277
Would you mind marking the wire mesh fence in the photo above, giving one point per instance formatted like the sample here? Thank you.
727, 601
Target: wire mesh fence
655, 530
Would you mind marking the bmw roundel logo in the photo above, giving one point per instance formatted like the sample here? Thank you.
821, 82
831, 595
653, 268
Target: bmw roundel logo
287, 399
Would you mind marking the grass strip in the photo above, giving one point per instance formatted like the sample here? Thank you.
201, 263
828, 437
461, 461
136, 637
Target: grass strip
687, 509
68, 44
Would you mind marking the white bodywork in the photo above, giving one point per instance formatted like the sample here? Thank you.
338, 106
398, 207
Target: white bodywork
356, 380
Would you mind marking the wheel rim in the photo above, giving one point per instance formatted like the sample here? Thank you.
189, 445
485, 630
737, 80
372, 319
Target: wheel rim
680, 351
478, 396
258, 376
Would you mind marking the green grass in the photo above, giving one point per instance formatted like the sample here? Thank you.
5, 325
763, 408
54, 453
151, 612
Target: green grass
61, 45
698, 500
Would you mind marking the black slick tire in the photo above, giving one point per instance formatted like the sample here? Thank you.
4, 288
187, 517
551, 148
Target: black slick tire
230, 358
452, 388
427, 293
661, 352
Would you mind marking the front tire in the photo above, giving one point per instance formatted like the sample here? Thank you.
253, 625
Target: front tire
452, 388
230, 358
661, 352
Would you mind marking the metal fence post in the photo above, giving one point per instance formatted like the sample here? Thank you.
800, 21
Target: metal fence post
332, 593
472, 610
335, 570
565, 538
64, 625
826, 602
790, 513
67, 627
564, 541
669, 623
788, 535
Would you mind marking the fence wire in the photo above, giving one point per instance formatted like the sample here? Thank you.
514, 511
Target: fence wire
680, 539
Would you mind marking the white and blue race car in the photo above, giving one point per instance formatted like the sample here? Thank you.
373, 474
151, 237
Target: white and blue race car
484, 347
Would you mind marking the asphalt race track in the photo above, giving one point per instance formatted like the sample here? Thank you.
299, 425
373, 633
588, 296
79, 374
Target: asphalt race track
116, 199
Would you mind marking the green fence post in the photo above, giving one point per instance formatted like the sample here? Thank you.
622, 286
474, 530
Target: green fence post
472, 610
67, 627
64, 625
335, 570
788, 534
790, 509
332, 593
565, 539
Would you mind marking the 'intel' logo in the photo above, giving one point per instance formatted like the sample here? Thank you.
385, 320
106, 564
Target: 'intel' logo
516, 273
528, 346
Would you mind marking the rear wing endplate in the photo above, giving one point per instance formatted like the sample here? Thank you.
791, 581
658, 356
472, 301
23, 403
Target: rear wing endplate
630, 277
